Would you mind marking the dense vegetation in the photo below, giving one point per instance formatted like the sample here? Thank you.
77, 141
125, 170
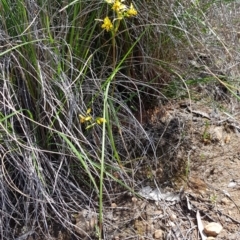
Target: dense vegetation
77, 90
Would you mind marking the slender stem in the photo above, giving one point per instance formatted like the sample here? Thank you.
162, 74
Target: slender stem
114, 57
114, 49
102, 169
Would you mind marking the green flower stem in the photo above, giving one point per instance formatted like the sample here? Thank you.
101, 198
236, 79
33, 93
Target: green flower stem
114, 56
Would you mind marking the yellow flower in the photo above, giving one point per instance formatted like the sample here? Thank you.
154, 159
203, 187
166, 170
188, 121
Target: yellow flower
88, 118
81, 118
100, 120
107, 24
118, 6
131, 11
84, 119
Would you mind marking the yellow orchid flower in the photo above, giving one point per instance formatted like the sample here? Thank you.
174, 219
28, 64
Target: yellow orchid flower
107, 24
81, 118
118, 6
99, 120
84, 119
131, 11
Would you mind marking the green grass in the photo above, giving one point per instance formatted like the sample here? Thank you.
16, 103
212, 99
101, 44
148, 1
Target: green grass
56, 62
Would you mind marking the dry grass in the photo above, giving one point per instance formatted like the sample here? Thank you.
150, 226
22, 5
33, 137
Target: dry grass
56, 64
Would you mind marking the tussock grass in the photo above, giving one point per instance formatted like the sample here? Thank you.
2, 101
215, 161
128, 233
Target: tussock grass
56, 62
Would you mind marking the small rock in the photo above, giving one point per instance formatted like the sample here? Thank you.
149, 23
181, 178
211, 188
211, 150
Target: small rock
158, 234
113, 205
232, 184
225, 201
134, 200
173, 217
212, 229
210, 238
216, 133
227, 139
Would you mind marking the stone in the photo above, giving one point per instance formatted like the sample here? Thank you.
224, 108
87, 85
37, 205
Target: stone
212, 229
113, 205
158, 234
217, 134
225, 201
173, 217
134, 200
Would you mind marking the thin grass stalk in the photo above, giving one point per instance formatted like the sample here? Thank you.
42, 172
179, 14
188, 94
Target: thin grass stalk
81, 159
20, 45
105, 116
